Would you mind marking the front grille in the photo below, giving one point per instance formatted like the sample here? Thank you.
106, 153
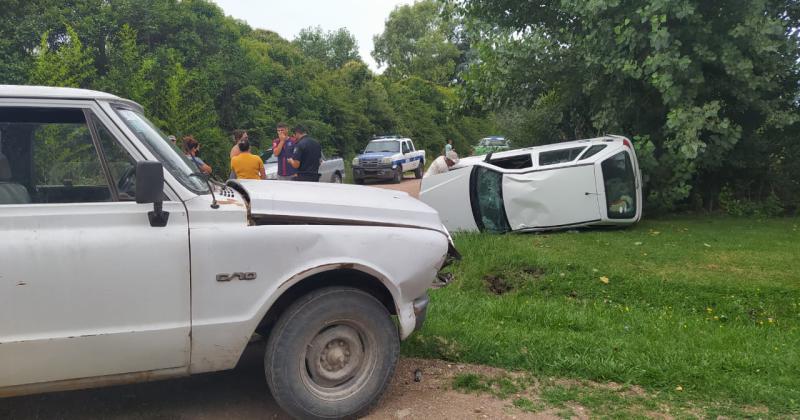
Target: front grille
372, 163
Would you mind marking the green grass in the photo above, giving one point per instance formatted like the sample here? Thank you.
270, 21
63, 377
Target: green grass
710, 305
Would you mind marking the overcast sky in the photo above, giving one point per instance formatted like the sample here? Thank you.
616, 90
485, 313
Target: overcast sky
363, 18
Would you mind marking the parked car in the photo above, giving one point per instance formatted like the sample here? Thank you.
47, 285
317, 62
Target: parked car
579, 183
121, 263
491, 144
388, 158
331, 170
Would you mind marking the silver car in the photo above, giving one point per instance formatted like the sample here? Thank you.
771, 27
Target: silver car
331, 170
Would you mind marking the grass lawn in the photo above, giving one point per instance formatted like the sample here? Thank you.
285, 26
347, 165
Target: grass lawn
695, 310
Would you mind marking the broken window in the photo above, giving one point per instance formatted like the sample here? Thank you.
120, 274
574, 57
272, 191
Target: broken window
513, 162
486, 190
593, 151
620, 186
559, 156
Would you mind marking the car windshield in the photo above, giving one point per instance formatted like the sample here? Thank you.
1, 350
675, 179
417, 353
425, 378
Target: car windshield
383, 146
165, 152
493, 142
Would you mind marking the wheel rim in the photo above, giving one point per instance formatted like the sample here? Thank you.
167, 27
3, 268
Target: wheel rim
338, 361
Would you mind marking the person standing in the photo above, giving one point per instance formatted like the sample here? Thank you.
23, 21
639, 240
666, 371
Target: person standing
238, 137
191, 148
306, 157
442, 164
448, 146
283, 150
247, 165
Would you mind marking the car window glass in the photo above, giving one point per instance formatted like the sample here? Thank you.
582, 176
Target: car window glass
620, 186
592, 151
119, 161
405, 147
513, 162
47, 156
486, 190
559, 156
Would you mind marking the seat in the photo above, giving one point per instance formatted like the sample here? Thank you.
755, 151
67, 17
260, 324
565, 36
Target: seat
11, 192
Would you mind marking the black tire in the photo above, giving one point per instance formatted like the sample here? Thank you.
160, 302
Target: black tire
398, 175
336, 178
359, 181
331, 354
418, 171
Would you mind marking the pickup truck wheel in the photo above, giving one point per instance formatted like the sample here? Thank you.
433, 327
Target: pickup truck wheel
418, 171
398, 175
336, 178
359, 181
331, 354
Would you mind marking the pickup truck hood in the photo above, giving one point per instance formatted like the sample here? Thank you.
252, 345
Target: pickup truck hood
316, 203
376, 155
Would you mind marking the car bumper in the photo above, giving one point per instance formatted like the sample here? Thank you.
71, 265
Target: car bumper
378, 172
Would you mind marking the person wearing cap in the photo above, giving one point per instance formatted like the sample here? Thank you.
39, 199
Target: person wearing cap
442, 164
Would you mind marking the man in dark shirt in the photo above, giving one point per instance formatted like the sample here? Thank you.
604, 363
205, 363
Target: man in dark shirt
307, 156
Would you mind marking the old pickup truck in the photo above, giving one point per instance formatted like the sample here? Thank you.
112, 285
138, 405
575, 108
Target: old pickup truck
119, 262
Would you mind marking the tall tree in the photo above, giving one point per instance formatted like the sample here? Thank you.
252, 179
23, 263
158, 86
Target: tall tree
67, 63
334, 48
418, 41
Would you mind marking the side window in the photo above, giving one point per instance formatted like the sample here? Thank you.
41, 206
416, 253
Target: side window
620, 185
559, 156
47, 156
405, 147
486, 197
120, 163
593, 151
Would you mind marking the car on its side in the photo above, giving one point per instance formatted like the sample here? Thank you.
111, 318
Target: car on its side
388, 157
491, 144
593, 182
120, 262
330, 170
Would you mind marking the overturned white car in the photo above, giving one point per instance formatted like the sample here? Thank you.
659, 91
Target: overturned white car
573, 184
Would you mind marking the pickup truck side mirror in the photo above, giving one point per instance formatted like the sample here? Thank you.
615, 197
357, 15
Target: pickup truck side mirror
150, 189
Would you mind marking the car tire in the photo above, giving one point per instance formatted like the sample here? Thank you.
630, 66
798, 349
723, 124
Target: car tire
331, 354
359, 181
418, 171
398, 175
336, 178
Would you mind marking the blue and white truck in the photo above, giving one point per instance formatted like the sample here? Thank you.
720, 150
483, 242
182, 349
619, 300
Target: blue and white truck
388, 157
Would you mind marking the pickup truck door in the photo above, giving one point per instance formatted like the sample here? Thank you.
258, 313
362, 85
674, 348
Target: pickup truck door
87, 287
325, 170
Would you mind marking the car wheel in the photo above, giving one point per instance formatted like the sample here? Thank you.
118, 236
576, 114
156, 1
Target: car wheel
336, 178
418, 171
331, 354
398, 175
359, 181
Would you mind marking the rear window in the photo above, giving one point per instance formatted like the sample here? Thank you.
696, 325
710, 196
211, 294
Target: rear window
620, 185
559, 156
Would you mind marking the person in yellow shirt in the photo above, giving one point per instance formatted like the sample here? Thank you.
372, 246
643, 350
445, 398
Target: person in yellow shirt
247, 165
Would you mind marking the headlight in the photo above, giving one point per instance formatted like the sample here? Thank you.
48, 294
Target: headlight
387, 160
355, 161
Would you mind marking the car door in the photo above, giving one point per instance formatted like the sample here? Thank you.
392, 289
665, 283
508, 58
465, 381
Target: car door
87, 287
551, 198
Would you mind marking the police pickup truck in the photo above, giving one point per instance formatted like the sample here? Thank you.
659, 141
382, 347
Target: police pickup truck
120, 263
388, 158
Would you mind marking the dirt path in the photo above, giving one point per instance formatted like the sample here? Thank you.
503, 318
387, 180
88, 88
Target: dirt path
409, 185
242, 394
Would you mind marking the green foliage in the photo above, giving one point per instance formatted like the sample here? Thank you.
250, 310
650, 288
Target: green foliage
198, 72
417, 41
704, 82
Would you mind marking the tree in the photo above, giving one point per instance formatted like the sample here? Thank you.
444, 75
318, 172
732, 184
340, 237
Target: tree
692, 82
417, 41
334, 48
66, 64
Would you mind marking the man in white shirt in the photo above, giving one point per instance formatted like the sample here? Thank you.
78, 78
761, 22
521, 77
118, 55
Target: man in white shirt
442, 164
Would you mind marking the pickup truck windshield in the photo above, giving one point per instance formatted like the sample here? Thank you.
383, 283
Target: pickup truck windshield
383, 146
175, 162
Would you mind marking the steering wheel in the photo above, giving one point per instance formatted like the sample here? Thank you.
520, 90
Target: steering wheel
127, 182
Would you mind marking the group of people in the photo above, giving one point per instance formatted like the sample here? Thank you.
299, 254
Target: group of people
298, 155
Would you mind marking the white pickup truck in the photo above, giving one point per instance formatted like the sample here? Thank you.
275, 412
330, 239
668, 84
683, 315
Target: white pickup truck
120, 263
388, 157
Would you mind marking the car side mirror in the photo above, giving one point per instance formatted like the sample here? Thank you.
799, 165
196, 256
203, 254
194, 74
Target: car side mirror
150, 189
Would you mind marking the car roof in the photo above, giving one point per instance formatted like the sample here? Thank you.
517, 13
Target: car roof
20, 91
610, 138
385, 138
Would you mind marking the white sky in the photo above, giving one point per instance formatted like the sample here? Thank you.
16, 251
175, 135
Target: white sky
363, 18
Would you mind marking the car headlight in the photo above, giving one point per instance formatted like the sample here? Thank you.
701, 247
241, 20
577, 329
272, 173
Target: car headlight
355, 161
387, 160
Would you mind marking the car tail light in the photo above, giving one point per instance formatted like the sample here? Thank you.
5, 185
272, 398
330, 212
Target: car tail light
627, 142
